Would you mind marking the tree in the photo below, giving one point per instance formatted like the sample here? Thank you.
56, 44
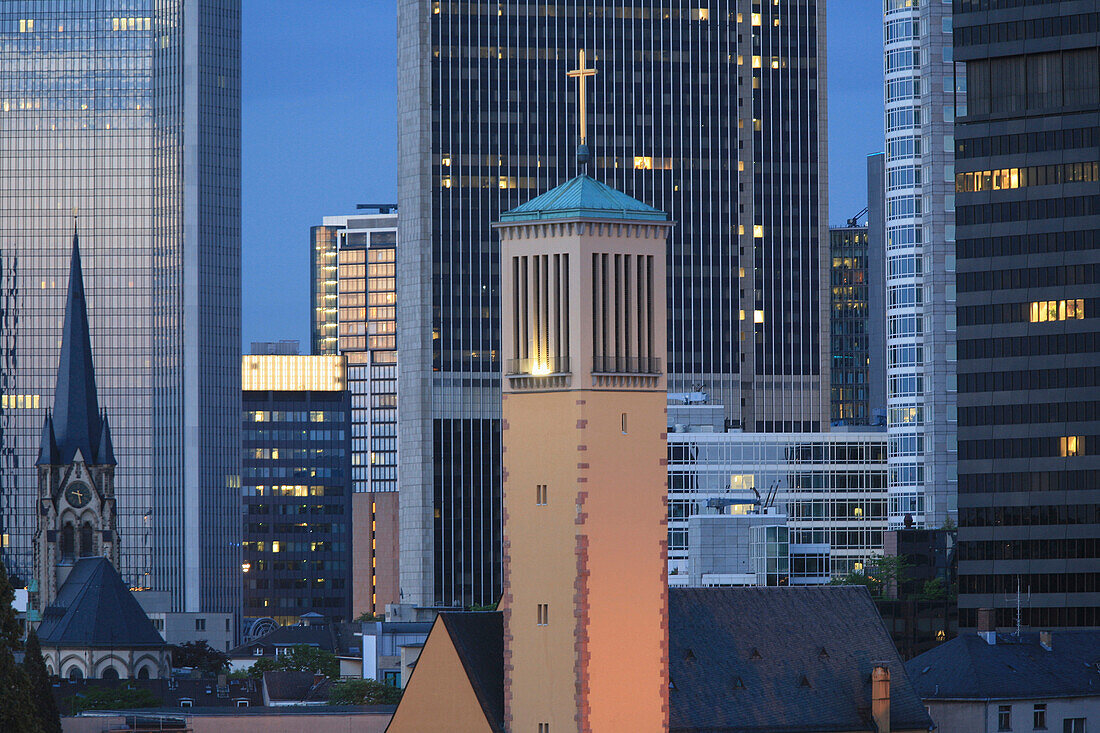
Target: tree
486, 607
299, 658
364, 692
16, 710
366, 617
40, 686
934, 590
889, 572
201, 656
882, 576
124, 697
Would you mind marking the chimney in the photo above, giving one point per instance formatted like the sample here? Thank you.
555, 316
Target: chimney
1046, 640
880, 698
987, 629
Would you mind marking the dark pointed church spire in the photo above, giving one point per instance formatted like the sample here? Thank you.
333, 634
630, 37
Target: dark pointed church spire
47, 451
77, 424
106, 453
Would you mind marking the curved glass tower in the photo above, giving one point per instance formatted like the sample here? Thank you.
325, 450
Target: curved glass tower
921, 89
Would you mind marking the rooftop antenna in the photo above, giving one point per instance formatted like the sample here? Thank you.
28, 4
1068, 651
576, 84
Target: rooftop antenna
1019, 606
581, 73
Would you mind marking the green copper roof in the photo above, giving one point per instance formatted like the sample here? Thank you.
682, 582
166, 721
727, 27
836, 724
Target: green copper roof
583, 197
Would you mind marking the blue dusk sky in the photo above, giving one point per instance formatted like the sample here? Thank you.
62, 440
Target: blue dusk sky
320, 134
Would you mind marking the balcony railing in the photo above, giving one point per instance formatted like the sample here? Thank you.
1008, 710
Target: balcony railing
626, 365
539, 367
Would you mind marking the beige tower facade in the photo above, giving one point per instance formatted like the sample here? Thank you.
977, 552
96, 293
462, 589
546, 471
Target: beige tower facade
584, 445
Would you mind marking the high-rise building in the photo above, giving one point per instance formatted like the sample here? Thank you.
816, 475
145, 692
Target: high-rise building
831, 486
922, 87
876, 285
295, 483
1028, 157
355, 301
324, 283
130, 113
850, 355
713, 114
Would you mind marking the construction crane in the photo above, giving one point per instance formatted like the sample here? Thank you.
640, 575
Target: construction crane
854, 221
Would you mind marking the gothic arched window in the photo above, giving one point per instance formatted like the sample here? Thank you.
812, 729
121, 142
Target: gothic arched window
68, 542
87, 548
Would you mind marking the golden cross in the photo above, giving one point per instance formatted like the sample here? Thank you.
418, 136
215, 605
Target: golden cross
580, 73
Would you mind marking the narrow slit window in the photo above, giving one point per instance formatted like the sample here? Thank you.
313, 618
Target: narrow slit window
624, 424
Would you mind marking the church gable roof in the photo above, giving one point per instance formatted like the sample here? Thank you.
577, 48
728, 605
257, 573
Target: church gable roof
478, 638
583, 197
77, 424
465, 653
94, 608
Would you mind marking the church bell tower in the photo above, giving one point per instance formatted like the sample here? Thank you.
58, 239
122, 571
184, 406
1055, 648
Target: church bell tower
585, 604
76, 460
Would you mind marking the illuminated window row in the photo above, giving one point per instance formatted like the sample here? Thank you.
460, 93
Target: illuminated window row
292, 373
1057, 310
131, 24
1071, 446
1039, 175
20, 401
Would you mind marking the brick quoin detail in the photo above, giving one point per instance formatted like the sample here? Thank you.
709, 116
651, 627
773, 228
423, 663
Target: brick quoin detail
663, 684
580, 635
506, 615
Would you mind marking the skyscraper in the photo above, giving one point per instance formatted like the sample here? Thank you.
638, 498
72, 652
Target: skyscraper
295, 483
921, 91
1028, 152
850, 347
129, 112
713, 114
355, 307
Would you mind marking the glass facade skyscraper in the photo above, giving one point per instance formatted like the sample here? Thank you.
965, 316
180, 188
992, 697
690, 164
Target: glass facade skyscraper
922, 90
849, 326
355, 314
294, 479
713, 114
1028, 156
129, 112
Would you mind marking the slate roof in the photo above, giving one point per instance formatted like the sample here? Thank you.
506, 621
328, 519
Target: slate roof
781, 659
583, 197
76, 423
478, 637
968, 668
288, 686
95, 609
745, 660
